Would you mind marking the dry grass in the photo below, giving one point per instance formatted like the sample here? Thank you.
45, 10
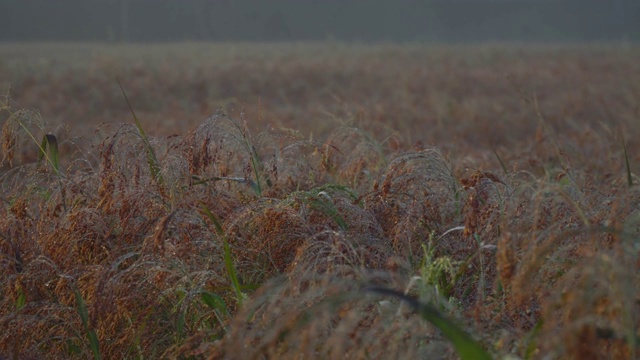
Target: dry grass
489, 182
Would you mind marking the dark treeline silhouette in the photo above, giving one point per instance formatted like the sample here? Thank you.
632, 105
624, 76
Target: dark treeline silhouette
300, 20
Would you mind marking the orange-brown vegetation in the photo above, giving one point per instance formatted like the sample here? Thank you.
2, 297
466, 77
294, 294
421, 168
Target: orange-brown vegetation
275, 184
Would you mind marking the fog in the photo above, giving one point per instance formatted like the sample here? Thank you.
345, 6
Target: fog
435, 21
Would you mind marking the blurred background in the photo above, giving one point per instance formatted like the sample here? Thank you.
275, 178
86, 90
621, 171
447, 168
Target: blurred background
431, 72
435, 21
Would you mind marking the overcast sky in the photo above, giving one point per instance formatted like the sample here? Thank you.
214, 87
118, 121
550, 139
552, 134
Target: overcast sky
317, 20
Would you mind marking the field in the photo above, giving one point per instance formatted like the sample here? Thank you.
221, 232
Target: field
319, 201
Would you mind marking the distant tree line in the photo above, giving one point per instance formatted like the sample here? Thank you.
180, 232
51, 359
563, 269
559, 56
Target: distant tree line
300, 20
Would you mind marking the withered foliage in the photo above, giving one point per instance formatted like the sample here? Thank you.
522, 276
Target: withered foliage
489, 182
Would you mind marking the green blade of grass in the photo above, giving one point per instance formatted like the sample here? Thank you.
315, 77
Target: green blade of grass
327, 207
42, 150
213, 218
231, 270
93, 342
180, 325
53, 151
256, 163
502, 164
255, 186
50, 142
72, 349
228, 260
21, 300
152, 160
467, 348
319, 199
530, 340
53, 157
215, 302
84, 317
82, 309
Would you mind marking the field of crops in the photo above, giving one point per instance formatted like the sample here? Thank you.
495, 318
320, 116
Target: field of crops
319, 201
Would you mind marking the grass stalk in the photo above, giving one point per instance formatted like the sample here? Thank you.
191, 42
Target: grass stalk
502, 164
89, 333
217, 304
250, 149
53, 156
152, 160
49, 141
482, 279
228, 259
467, 348
530, 340
21, 301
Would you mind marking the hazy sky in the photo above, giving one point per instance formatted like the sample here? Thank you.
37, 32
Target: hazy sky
300, 20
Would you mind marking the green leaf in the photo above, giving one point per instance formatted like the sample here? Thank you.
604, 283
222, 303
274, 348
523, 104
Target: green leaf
502, 165
21, 300
255, 186
42, 150
72, 349
49, 141
213, 218
54, 159
180, 325
326, 206
231, 270
466, 347
530, 340
82, 309
214, 301
84, 316
93, 343
228, 260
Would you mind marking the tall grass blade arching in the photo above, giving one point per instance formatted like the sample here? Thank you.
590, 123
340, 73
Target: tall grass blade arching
228, 260
466, 347
152, 160
90, 333
53, 157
